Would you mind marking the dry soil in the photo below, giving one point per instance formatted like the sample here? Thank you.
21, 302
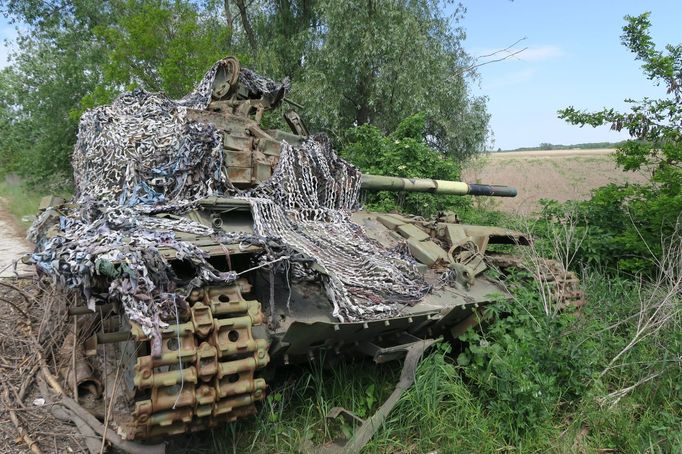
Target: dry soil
547, 174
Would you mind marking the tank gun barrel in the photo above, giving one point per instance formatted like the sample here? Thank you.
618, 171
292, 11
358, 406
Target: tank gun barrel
384, 183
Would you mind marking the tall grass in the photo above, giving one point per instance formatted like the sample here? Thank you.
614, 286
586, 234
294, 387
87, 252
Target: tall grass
531, 384
21, 201
293, 416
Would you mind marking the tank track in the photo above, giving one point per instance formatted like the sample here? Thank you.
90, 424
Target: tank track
205, 373
564, 285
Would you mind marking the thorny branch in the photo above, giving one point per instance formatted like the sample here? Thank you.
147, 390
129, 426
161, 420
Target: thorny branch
36, 352
33, 446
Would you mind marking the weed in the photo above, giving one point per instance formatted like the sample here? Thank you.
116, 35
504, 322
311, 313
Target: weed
21, 202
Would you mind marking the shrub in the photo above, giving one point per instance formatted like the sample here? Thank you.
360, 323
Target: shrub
403, 153
628, 222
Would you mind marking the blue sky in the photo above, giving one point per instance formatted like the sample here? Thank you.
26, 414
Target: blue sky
7, 36
574, 58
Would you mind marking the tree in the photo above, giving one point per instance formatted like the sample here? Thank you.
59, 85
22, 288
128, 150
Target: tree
378, 62
285, 29
77, 54
403, 153
161, 45
633, 219
653, 124
392, 60
42, 90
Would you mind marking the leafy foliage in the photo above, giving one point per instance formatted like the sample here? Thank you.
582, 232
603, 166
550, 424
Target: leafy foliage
628, 222
161, 46
530, 370
623, 225
41, 95
581, 146
653, 124
403, 153
524, 366
392, 60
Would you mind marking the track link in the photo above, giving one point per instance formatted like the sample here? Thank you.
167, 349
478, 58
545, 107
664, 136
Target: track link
564, 285
205, 373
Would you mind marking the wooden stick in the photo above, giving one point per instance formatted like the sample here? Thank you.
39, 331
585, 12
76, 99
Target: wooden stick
112, 436
21, 311
25, 295
108, 415
32, 445
73, 357
27, 382
91, 438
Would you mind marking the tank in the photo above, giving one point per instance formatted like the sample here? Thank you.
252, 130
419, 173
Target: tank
195, 278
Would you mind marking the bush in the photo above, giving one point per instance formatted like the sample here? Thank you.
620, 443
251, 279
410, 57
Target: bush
623, 226
524, 366
403, 153
627, 223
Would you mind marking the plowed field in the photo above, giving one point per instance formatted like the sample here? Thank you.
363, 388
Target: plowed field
547, 174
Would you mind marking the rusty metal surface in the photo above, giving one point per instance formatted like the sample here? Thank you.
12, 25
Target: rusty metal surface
563, 285
205, 374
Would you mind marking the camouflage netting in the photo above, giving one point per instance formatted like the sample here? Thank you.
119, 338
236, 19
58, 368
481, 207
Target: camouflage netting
141, 158
306, 205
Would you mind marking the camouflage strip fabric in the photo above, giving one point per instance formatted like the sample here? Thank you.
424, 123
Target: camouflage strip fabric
142, 155
306, 205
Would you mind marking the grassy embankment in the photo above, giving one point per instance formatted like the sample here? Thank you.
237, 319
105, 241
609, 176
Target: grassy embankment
20, 201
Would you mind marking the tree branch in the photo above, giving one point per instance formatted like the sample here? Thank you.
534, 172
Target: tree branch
506, 50
229, 21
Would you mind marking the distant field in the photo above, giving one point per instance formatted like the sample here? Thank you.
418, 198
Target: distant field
547, 174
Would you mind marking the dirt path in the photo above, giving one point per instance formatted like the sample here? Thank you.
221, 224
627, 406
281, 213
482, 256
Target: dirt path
12, 244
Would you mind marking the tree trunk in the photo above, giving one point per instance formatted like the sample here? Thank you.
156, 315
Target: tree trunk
250, 36
362, 109
363, 112
229, 21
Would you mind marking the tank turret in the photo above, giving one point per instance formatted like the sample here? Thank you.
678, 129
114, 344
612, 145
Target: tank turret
239, 99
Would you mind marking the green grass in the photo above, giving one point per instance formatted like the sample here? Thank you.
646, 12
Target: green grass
492, 404
20, 201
